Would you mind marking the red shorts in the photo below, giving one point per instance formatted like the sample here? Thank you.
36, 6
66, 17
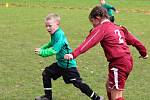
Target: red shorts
118, 73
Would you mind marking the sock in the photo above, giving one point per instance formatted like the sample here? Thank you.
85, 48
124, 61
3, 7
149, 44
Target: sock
47, 87
48, 93
120, 98
94, 96
109, 95
85, 89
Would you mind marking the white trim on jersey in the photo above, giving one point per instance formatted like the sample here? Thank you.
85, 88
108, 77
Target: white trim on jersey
106, 20
90, 39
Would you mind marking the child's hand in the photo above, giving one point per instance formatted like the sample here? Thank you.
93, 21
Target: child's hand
117, 11
37, 50
68, 56
144, 57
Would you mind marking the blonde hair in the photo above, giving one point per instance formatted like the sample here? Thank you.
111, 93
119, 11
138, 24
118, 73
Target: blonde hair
53, 16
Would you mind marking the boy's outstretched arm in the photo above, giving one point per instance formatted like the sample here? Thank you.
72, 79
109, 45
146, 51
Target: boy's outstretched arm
132, 40
45, 52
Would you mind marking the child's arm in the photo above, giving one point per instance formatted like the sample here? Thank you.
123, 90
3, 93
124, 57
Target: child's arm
91, 40
132, 40
47, 45
48, 50
45, 50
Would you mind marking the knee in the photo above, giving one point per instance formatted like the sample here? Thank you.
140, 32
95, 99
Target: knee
77, 83
115, 94
47, 75
44, 73
120, 98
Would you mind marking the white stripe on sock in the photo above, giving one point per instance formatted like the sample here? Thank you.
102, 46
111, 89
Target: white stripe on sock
92, 95
72, 79
47, 88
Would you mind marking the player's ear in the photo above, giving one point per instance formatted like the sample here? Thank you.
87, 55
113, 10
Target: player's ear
57, 22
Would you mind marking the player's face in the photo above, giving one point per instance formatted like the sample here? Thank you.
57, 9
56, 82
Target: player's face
94, 21
51, 26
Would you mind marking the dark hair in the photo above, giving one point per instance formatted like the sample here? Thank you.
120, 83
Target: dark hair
98, 11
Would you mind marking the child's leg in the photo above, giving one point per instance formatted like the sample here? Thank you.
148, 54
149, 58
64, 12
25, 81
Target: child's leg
47, 85
118, 74
108, 90
71, 75
85, 89
116, 94
109, 95
51, 72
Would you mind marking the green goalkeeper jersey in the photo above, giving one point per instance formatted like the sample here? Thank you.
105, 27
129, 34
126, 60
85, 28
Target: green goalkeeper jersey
58, 45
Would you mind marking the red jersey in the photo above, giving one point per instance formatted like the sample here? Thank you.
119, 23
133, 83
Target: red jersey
113, 39
131, 40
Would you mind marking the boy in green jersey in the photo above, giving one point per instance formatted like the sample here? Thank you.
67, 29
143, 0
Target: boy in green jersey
110, 9
59, 46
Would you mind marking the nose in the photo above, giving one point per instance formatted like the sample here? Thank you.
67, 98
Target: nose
48, 28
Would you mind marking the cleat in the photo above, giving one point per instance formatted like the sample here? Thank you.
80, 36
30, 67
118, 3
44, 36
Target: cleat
99, 98
42, 98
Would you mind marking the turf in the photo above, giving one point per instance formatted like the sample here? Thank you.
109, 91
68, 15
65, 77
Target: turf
22, 29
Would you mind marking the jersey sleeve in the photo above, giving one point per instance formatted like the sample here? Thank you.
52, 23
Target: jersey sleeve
132, 40
91, 40
47, 45
47, 52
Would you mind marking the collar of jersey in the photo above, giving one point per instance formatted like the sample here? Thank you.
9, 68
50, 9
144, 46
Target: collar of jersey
57, 30
105, 20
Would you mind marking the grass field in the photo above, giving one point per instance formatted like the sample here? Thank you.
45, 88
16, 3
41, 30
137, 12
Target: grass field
22, 29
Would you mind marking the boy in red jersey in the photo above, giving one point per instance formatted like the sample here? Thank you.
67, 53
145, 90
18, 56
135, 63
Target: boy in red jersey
114, 40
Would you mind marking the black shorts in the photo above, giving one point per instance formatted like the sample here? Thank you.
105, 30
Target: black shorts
112, 18
54, 71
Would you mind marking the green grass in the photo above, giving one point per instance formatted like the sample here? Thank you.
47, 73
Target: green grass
22, 29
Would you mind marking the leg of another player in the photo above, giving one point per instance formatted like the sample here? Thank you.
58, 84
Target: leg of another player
116, 94
108, 91
86, 90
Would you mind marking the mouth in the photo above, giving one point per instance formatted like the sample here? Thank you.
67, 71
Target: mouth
49, 31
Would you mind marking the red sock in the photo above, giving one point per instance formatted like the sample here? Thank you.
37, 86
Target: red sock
109, 95
120, 98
